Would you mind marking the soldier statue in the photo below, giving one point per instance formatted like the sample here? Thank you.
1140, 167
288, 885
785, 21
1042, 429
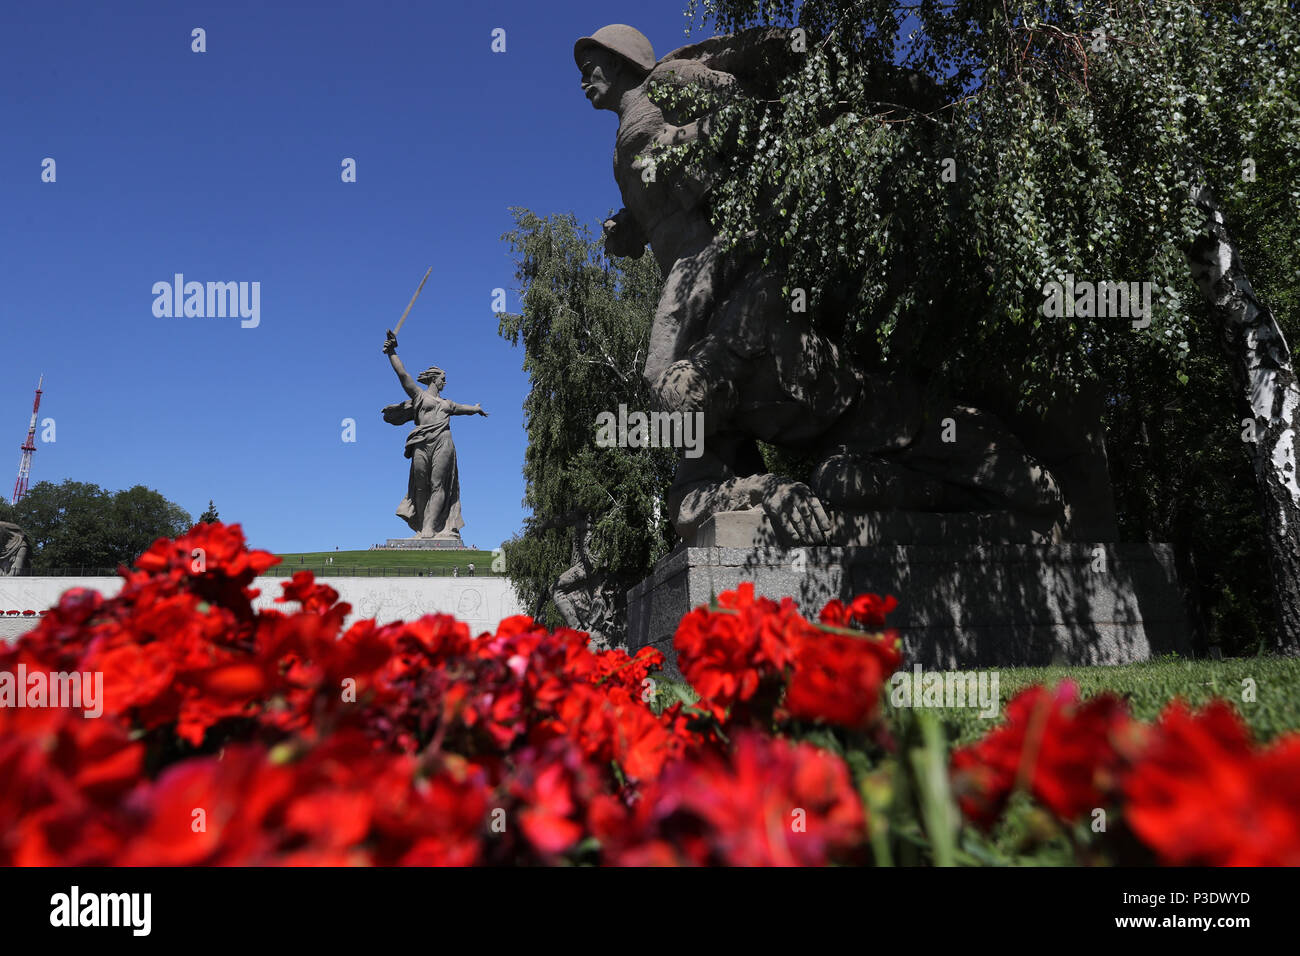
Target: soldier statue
725, 343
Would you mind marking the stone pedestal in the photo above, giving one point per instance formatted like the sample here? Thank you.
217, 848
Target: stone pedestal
960, 606
443, 541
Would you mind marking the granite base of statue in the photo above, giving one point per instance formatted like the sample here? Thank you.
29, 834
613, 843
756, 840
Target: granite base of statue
962, 603
443, 541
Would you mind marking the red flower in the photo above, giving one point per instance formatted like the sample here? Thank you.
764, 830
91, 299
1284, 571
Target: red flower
768, 803
739, 659
209, 810
553, 786
1068, 754
207, 549
736, 657
616, 726
440, 821
866, 611
1203, 795
838, 678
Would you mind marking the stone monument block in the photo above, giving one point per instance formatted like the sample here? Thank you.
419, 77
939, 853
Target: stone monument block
961, 605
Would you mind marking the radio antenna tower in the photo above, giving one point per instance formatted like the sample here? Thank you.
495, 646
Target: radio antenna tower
29, 446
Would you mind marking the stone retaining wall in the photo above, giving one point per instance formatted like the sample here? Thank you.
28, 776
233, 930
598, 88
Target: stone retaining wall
482, 603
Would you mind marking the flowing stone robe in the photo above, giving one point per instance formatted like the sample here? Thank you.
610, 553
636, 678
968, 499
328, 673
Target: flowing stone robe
433, 458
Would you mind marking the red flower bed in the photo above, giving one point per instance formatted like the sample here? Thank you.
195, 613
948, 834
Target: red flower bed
236, 737
1064, 751
1203, 794
1193, 788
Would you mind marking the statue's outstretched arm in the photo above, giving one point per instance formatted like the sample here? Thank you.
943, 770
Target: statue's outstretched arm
409, 384
456, 408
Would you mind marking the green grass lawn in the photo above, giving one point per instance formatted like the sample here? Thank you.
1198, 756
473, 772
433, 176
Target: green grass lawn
1025, 835
1149, 686
391, 563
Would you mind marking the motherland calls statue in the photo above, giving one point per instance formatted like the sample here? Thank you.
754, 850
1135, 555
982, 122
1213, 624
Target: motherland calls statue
432, 503
725, 343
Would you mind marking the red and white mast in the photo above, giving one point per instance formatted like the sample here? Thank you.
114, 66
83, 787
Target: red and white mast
29, 446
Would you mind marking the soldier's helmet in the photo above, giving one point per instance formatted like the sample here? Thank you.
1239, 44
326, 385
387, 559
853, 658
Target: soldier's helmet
628, 42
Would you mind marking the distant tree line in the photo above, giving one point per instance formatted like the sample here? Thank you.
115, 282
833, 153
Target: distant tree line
77, 524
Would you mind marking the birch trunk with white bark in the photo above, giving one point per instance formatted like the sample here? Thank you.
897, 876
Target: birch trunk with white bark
1262, 368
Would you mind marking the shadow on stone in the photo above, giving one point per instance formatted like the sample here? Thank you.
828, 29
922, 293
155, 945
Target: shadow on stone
962, 604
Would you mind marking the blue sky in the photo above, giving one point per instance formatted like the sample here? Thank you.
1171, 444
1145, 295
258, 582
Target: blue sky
225, 166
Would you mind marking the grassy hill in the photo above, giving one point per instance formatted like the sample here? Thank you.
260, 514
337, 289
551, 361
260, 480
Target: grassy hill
382, 563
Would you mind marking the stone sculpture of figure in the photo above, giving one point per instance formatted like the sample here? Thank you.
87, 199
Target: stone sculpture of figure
725, 343
15, 550
432, 502
585, 598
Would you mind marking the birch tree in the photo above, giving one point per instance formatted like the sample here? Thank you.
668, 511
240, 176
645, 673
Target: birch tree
1080, 140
